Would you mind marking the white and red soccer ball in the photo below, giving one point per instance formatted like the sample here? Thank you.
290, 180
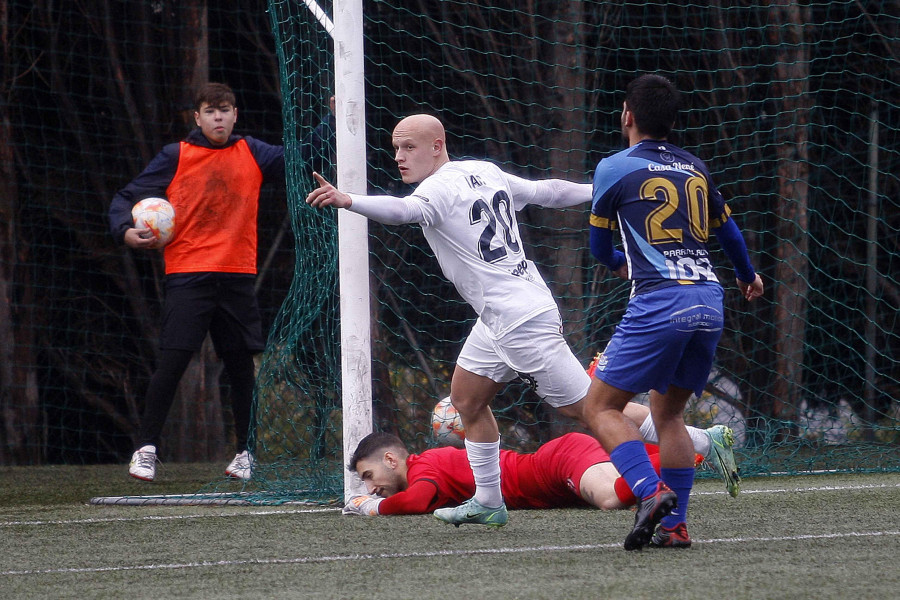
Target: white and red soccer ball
446, 426
157, 215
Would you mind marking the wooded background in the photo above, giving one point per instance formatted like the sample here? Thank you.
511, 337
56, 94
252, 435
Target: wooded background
785, 101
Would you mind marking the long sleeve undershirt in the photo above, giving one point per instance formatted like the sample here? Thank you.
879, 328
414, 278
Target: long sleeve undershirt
735, 249
419, 498
552, 193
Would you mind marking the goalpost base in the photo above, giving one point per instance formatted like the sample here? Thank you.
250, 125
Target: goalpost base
211, 499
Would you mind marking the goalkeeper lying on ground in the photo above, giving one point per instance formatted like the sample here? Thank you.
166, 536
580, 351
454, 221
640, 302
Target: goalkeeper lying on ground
570, 471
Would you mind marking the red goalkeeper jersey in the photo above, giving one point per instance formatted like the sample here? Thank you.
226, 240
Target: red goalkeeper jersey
549, 478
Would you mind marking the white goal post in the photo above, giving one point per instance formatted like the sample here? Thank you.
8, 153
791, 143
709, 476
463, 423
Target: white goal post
353, 247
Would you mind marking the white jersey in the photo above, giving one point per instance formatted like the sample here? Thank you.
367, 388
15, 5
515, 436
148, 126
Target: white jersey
469, 211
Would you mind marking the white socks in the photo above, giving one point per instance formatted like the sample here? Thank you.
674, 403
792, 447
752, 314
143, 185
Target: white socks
698, 436
484, 458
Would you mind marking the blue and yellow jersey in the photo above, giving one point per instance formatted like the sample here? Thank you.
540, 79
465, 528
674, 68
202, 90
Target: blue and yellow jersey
663, 201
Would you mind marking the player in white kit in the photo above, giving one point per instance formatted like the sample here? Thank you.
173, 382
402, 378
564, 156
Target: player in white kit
467, 210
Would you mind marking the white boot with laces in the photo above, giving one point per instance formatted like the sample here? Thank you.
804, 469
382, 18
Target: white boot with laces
242, 466
143, 463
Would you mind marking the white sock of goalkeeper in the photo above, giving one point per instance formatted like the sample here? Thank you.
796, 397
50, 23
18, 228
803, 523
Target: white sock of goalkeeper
484, 458
698, 436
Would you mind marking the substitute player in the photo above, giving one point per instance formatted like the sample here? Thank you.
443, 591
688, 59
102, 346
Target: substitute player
569, 471
665, 204
213, 179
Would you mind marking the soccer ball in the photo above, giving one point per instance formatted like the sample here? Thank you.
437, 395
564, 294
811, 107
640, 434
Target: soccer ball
446, 426
157, 215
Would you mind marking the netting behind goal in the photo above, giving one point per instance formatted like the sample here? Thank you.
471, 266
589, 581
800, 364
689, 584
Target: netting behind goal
791, 108
794, 107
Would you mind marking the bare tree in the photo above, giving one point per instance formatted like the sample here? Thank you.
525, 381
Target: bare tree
787, 32
20, 420
525, 107
564, 117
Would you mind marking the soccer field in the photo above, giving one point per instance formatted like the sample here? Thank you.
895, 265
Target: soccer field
821, 536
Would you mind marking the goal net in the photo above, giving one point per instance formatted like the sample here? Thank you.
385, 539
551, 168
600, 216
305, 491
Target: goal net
788, 105
793, 106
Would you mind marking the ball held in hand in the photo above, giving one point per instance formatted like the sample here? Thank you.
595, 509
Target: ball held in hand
157, 215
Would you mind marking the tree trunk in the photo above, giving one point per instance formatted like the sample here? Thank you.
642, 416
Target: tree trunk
562, 246
20, 416
195, 430
195, 45
384, 403
791, 274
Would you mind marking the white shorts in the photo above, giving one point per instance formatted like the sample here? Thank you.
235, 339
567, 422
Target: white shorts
535, 351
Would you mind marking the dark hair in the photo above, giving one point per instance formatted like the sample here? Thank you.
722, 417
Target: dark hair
214, 94
373, 444
654, 101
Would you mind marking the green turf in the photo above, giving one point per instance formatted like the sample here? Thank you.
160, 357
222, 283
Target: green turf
824, 536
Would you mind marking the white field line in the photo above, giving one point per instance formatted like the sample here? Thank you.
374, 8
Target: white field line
823, 488
262, 513
248, 513
401, 555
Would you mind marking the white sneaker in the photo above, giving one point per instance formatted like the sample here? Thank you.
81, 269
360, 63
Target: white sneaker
143, 463
242, 466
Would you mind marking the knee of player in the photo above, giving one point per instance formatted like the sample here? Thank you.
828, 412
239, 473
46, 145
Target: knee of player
574, 411
469, 405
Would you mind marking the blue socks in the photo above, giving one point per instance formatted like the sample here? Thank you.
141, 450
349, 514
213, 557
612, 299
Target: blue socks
633, 464
679, 481
631, 460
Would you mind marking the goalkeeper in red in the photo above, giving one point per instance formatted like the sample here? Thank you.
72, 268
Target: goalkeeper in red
664, 203
568, 472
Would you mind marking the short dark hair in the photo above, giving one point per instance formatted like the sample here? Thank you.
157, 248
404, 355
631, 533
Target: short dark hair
654, 101
214, 94
373, 444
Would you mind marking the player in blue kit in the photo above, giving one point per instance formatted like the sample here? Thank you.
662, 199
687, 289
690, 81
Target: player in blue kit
664, 203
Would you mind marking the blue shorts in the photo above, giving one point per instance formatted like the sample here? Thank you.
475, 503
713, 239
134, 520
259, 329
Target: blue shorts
667, 337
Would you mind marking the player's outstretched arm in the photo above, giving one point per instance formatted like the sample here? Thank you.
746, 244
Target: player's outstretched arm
551, 193
384, 209
419, 498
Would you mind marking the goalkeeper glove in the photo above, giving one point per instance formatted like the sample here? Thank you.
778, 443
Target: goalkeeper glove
362, 505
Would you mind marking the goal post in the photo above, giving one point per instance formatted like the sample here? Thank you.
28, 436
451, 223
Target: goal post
353, 247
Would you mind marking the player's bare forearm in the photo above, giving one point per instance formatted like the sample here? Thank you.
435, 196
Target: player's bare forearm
327, 195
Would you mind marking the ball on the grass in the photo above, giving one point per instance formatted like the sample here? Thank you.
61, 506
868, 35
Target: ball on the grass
157, 215
446, 426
